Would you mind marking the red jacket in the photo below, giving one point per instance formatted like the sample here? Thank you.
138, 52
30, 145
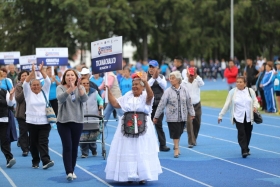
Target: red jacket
231, 74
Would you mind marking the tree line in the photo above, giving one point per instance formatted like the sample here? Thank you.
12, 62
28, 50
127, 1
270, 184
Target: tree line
158, 28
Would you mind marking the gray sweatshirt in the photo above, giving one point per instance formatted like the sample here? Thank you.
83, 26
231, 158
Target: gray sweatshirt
170, 102
69, 111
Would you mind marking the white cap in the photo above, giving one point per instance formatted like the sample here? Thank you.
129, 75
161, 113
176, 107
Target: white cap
85, 71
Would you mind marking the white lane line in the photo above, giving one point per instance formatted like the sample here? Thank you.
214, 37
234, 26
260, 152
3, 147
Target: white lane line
219, 126
83, 169
262, 124
219, 109
237, 143
177, 173
8, 178
234, 163
186, 177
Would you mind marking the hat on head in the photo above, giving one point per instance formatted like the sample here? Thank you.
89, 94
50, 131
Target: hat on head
85, 71
277, 62
153, 63
136, 75
191, 71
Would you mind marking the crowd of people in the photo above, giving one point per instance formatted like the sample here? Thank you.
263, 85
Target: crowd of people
139, 97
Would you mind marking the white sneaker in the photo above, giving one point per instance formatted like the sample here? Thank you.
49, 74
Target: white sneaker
69, 177
11, 163
74, 176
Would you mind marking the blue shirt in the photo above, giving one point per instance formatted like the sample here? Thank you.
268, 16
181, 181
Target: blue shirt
98, 81
277, 87
145, 68
125, 85
52, 95
6, 84
163, 68
132, 70
119, 77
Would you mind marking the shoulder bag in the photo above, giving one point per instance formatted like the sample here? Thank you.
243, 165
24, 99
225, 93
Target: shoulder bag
257, 116
49, 111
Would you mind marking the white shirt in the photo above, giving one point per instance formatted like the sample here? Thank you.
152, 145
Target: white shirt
36, 103
184, 74
194, 88
9, 103
259, 64
242, 105
161, 81
223, 65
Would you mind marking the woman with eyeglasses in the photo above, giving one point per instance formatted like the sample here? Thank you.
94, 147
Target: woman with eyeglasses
91, 106
71, 96
38, 126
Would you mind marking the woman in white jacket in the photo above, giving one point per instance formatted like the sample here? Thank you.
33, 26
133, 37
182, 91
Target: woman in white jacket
242, 102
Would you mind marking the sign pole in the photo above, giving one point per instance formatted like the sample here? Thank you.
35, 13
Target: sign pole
106, 83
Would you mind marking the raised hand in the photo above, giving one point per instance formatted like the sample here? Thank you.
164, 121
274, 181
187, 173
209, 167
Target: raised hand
78, 82
33, 67
41, 66
143, 76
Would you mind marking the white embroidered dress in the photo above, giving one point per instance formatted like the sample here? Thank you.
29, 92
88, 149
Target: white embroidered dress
134, 159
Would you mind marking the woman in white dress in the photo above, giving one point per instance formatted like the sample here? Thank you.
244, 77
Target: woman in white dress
134, 157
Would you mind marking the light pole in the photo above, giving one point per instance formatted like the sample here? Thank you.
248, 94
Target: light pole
231, 31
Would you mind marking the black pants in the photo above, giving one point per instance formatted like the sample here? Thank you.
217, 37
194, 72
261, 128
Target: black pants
5, 143
244, 134
70, 134
23, 135
39, 143
193, 126
54, 105
159, 129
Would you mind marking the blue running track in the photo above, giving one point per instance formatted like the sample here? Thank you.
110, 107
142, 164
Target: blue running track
215, 161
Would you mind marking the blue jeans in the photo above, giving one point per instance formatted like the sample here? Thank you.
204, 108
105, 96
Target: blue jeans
108, 111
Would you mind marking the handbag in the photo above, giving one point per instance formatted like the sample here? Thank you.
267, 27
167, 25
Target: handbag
49, 111
257, 116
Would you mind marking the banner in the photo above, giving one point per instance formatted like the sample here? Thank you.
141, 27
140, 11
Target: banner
7, 58
27, 61
106, 55
52, 56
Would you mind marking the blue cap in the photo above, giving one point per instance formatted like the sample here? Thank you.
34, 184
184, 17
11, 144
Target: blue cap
153, 63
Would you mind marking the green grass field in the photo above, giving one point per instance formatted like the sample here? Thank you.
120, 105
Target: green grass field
217, 98
214, 98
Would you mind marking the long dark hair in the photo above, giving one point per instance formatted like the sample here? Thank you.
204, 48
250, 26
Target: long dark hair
63, 82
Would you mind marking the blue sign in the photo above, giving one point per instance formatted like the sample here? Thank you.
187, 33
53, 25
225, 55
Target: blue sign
106, 55
106, 63
7, 58
52, 56
53, 61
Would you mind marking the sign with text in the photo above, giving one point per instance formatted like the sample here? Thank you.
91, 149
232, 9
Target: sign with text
27, 61
106, 55
7, 58
52, 56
